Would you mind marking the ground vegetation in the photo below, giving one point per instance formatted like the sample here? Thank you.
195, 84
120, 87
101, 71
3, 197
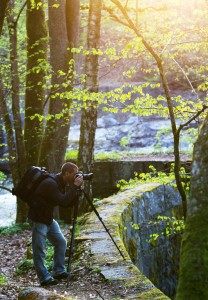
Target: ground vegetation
17, 271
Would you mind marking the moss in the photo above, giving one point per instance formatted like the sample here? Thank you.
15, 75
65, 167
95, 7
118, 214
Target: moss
193, 276
145, 288
132, 249
153, 294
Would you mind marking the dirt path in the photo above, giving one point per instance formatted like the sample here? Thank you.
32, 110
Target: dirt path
86, 283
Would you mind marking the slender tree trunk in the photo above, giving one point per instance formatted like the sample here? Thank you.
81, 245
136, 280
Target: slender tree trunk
17, 122
21, 213
35, 80
89, 114
193, 275
13, 126
9, 130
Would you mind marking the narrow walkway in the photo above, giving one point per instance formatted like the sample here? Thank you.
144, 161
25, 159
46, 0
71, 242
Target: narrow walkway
104, 254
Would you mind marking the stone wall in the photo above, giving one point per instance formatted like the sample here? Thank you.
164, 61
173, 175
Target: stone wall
157, 258
119, 212
107, 173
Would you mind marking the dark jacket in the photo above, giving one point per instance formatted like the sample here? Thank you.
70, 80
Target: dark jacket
50, 193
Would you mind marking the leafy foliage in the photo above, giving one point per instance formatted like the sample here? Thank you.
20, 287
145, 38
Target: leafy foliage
172, 227
2, 176
154, 176
24, 266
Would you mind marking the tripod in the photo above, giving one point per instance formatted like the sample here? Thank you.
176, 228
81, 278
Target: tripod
80, 191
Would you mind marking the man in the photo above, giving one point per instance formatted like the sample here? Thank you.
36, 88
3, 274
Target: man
50, 193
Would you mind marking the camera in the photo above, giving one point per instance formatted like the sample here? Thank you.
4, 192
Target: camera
85, 176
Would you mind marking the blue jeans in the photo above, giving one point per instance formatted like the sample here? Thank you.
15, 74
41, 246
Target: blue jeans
41, 232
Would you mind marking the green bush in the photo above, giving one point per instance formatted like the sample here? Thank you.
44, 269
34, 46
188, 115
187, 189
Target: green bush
71, 155
3, 279
24, 266
15, 228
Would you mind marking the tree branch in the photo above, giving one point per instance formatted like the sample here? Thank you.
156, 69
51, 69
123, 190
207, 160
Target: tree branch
181, 126
21, 10
5, 188
184, 73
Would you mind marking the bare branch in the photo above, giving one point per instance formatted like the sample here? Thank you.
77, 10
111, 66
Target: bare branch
184, 73
193, 118
112, 14
5, 188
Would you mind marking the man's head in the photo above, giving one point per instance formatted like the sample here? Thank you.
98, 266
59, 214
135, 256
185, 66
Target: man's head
68, 171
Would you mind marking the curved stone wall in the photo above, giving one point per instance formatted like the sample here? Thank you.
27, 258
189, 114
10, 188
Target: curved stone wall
118, 212
156, 257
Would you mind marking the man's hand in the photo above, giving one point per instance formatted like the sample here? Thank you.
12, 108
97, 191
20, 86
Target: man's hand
78, 181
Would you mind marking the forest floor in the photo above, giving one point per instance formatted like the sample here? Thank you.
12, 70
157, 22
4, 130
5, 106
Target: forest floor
85, 283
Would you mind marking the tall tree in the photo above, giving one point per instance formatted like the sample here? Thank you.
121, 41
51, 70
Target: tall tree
15, 89
193, 275
41, 139
19, 146
160, 62
37, 36
61, 60
62, 39
89, 112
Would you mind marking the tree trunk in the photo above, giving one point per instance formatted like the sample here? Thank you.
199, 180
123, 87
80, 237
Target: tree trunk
193, 275
9, 130
17, 122
18, 145
57, 129
89, 114
3, 6
35, 79
73, 21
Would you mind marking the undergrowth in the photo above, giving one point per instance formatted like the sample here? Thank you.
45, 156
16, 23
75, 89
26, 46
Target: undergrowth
155, 176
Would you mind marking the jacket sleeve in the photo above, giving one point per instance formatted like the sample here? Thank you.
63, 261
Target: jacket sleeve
49, 191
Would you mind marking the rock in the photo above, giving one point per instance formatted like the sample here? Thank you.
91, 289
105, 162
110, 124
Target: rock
132, 120
108, 120
37, 293
100, 123
143, 134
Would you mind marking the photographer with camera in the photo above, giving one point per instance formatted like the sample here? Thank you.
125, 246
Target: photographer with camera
50, 193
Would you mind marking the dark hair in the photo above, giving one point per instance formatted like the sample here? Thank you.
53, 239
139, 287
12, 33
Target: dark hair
68, 167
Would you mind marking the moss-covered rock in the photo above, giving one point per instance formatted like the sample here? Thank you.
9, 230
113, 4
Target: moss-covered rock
36, 293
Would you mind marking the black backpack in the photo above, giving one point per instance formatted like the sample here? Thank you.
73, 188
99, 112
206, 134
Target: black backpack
29, 182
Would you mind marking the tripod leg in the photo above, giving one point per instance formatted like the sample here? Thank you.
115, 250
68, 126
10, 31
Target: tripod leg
72, 241
106, 229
